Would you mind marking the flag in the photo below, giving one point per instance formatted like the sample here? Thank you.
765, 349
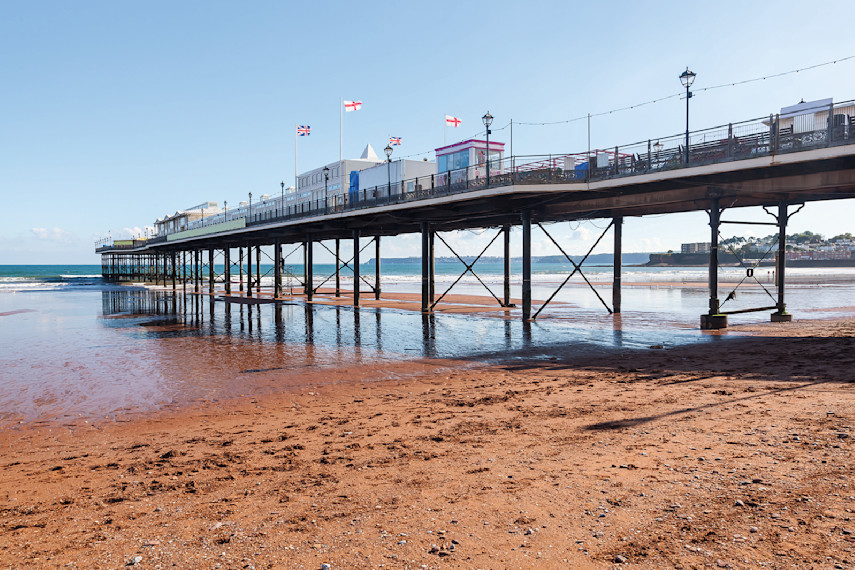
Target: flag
352, 106
395, 141
304, 130
452, 121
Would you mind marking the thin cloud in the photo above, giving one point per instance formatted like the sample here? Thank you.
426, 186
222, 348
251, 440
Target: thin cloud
52, 234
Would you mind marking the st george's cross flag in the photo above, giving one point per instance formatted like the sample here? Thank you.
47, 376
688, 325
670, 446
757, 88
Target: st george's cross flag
395, 141
452, 121
352, 106
304, 130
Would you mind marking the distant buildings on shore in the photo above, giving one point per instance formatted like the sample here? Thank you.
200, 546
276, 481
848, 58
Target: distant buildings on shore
803, 246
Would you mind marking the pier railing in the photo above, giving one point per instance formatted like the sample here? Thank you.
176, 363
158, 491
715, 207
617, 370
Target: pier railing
829, 125
732, 142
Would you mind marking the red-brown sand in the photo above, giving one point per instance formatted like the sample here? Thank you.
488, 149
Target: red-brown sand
726, 454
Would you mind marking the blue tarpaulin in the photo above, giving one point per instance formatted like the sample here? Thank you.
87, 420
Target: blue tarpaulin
353, 191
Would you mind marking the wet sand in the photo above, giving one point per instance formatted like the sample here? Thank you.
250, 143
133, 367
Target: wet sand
736, 453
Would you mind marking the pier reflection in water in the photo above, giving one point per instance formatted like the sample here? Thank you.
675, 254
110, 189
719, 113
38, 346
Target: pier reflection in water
339, 332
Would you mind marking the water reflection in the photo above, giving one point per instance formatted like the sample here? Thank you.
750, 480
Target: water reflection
391, 333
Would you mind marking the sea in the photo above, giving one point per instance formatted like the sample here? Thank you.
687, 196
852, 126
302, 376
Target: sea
74, 348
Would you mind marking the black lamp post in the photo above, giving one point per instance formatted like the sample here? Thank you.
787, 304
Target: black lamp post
326, 185
388, 151
282, 196
225, 210
687, 78
658, 147
250, 205
488, 120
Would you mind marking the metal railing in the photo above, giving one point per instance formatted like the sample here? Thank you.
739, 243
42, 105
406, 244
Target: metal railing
732, 142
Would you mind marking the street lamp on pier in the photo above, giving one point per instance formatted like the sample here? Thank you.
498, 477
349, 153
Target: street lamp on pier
388, 151
488, 120
250, 207
282, 196
658, 148
326, 186
687, 78
225, 210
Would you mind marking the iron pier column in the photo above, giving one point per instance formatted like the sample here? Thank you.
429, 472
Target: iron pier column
714, 319
426, 296
377, 268
526, 265
211, 275
337, 268
506, 235
249, 270
618, 264
258, 270
197, 270
240, 269
355, 268
227, 268
781, 315
432, 262
305, 266
174, 271
277, 269
310, 262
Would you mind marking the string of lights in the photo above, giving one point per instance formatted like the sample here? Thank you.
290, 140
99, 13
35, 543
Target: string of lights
652, 101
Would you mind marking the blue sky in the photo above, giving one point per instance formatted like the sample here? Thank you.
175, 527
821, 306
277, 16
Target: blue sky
115, 113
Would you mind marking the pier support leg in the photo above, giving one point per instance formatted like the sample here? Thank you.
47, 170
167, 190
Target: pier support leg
426, 296
713, 319
356, 268
277, 268
211, 275
174, 272
249, 271
240, 269
310, 262
781, 315
258, 270
432, 264
377, 268
618, 264
227, 269
184, 271
506, 238
526, 265
197, 270
337, 267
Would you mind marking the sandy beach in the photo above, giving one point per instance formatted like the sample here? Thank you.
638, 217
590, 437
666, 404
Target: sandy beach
733, 454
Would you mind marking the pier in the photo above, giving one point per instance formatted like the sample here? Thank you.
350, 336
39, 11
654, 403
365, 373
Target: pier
759, 163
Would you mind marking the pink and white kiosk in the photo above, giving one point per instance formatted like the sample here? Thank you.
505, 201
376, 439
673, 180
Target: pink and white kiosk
467, 161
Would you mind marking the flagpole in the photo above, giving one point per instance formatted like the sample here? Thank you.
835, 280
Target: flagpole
295, 158
512, 137
340, 126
